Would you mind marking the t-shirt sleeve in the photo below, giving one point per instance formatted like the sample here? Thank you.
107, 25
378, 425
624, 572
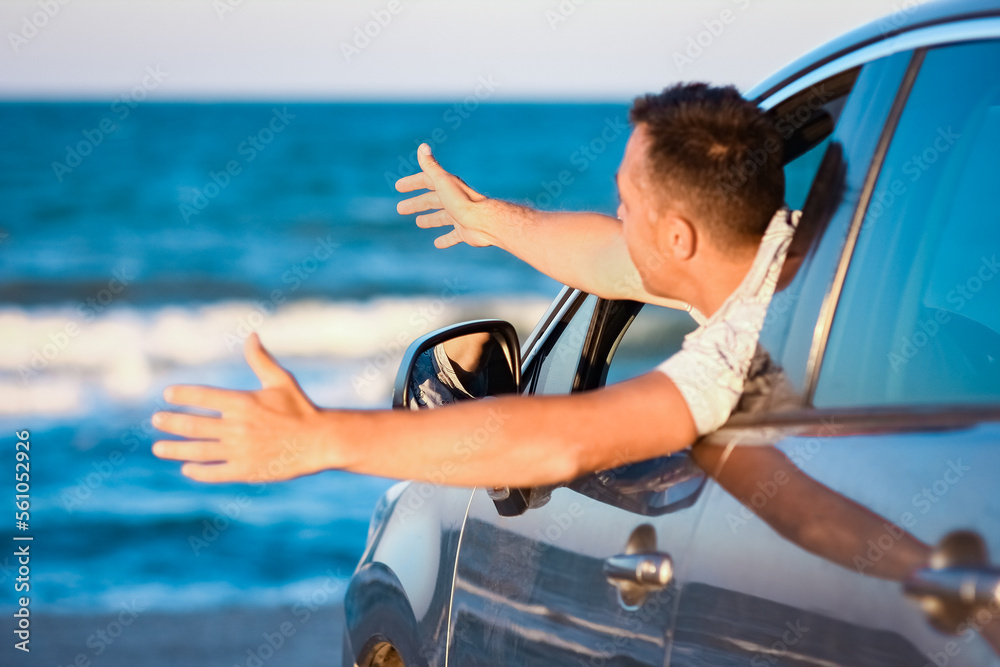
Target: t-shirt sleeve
710, 368
714, 360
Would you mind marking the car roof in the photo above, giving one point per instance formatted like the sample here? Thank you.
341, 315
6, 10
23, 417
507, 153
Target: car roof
909, 16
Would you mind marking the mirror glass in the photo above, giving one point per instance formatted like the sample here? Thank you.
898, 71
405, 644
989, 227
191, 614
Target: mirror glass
469, 366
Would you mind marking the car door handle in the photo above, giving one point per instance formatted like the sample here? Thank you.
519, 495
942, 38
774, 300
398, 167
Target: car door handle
959, 582
970, 585
651, 570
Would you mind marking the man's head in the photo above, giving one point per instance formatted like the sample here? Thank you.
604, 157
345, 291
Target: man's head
702, 173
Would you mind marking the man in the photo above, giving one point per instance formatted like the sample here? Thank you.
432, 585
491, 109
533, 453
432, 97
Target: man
684, 237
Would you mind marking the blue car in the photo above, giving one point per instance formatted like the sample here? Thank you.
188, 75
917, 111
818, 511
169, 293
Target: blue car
848, 513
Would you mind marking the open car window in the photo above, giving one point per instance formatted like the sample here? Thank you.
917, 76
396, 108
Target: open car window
630, 339
556, 367
806, 122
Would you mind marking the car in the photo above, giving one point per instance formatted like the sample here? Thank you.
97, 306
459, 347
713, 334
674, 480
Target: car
847, 512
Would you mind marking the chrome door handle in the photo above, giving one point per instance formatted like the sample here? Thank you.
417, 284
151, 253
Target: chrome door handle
959, 581
651, 570
973, 585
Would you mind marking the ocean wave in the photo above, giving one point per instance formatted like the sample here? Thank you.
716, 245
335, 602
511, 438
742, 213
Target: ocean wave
305, 595
148, 496
62, 361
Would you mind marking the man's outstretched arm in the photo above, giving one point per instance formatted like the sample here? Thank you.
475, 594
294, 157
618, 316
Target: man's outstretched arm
583, 250
277, 433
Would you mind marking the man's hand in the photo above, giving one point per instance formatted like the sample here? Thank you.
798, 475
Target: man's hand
266, 435
452, 201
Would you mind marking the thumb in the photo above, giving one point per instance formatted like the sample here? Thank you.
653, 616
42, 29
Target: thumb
263, 364
429, 163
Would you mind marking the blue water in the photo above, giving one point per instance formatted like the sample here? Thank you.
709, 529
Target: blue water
155, 267
328, 172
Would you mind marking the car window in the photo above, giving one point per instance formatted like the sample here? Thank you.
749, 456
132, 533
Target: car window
918, 320
806, 121
559, 360
654, 335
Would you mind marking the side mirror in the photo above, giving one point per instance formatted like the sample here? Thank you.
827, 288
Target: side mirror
462, 362
459, 362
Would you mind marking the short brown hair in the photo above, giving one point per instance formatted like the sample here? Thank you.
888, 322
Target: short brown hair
718, 154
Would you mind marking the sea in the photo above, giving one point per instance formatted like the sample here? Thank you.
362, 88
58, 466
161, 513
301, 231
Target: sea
140, 243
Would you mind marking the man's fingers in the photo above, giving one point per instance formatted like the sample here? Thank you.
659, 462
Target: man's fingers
428, 201
417, 181
270, 373
448, 240
187, 450
208, 398
211, 472
435, 219
188, 426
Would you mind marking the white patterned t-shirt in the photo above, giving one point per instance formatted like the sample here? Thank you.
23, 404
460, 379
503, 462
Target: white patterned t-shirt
713, 362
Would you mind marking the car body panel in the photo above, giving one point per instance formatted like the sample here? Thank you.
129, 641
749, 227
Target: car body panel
530, 589
401, 589
808, 568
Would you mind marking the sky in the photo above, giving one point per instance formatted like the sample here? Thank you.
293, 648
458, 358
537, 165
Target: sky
586, 50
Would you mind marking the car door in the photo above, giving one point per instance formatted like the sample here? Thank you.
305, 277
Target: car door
852, 517
532, 589
558, 585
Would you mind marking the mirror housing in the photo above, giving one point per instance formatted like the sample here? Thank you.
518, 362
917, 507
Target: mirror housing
499, 342
466, 361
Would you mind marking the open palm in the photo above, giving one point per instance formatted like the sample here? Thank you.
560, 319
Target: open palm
255, 436
452, 201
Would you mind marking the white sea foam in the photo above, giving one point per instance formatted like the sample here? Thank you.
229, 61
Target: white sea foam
55, 361
308, 594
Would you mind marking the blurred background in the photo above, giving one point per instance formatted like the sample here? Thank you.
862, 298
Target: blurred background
177, 174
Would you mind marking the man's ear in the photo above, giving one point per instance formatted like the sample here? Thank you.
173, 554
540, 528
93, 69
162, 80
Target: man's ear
677, 236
